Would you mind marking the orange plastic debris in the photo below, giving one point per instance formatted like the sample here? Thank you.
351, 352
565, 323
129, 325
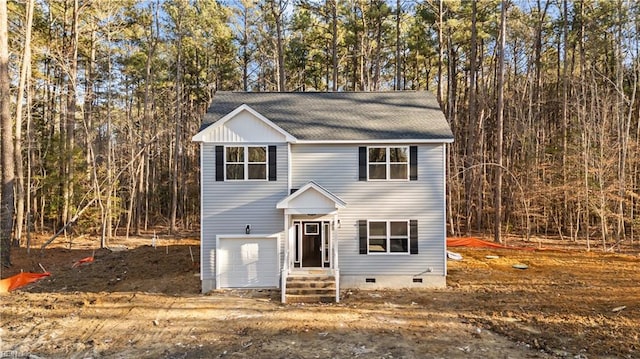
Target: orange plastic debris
20, 280
82, 261
472, 242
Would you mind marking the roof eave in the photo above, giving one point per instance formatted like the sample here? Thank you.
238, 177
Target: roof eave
375, 141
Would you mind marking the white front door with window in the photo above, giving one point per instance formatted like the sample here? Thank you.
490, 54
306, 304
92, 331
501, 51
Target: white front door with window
312, 244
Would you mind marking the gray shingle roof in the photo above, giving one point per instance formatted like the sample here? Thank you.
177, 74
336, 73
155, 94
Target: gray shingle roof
318, 116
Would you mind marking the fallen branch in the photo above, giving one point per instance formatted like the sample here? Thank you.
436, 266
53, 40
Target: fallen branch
613, 246
71, 222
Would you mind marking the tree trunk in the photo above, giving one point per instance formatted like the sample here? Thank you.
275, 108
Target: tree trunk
497, 232
440, 51
277, 10
398, 63
72, 53
178, 126
25, 75
471, 148
565, 120
146, 114
6, 134
334, 44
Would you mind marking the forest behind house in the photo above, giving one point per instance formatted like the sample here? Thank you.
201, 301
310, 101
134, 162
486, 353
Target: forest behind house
100, 100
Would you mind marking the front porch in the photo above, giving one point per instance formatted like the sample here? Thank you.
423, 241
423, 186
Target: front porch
311, 272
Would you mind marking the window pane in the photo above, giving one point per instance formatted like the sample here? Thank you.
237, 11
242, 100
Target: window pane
235, 172
377, 171
398, 171
398, 154
399, 229
377, 229
235, 154
257, 171
377, 245
399, 245
257, 154
377, 154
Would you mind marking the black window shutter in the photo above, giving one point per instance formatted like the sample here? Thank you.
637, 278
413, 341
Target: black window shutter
413, 236
273, 174
362, 225
413, 163
219, 163
362, 156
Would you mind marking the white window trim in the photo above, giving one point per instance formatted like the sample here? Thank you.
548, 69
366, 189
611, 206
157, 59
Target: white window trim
388, 164
388, 223
310, 232
246, 163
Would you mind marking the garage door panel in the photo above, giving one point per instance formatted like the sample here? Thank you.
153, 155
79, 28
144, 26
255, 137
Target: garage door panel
248, 262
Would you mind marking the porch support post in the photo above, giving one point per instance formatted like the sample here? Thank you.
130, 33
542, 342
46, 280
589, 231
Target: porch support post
285, 265
334, 262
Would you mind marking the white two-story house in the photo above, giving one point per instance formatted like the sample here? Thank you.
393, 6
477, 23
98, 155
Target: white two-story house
346, 185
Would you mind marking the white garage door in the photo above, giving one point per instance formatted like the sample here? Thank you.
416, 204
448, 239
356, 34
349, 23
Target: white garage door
248, 262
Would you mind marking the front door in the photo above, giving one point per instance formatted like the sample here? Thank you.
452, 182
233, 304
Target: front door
312, 244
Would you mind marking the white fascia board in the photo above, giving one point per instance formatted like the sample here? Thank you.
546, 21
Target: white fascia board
199, 137
241, 236
284, 203
331, 142
314, 211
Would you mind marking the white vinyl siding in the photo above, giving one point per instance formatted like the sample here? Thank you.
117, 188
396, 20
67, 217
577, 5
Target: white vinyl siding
228, 206
335, 167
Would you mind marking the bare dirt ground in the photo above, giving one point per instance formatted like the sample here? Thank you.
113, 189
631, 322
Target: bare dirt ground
144, 302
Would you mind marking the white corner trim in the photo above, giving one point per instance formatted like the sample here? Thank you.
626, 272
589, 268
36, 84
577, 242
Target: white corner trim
202, 216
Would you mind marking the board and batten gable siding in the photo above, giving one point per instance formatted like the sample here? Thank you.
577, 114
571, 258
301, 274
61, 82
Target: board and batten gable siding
335, 167
244, 127
228, 206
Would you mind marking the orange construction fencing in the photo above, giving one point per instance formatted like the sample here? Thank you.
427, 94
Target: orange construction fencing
472, 242
20, 280
82, 261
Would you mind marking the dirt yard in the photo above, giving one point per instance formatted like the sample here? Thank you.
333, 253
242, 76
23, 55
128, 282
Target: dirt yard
144, 302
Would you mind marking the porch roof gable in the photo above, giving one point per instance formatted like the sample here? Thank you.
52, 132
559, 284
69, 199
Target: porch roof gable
311, 199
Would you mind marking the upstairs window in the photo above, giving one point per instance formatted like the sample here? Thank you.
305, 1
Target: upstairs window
246, 163
388, 163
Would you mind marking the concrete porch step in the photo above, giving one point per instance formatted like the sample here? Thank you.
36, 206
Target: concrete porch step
307, 288
311, 285
312, 291
310, 281
310, 298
